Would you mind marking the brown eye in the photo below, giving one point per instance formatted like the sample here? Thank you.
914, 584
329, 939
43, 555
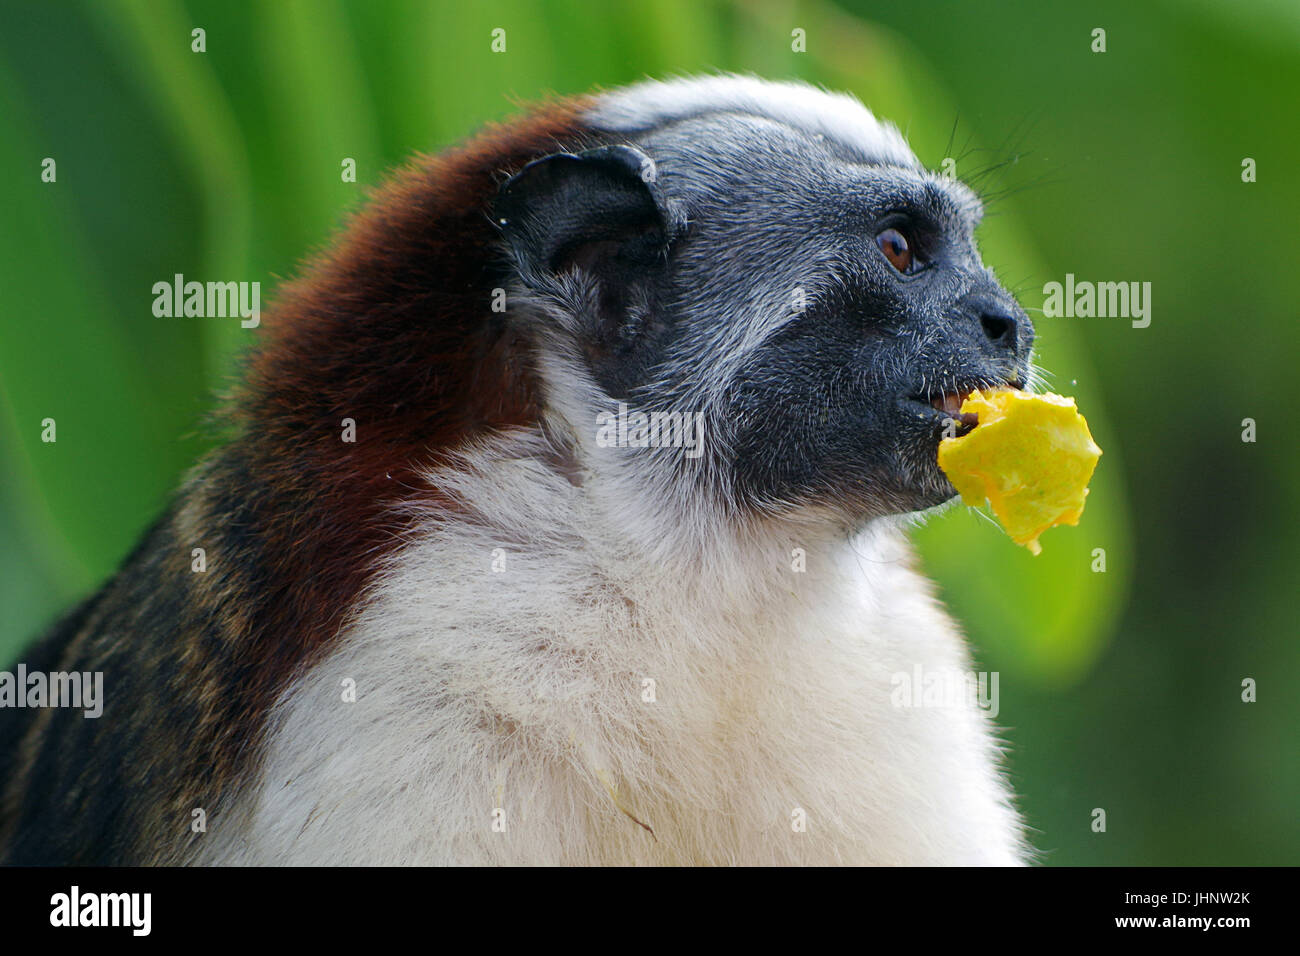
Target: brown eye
894, 245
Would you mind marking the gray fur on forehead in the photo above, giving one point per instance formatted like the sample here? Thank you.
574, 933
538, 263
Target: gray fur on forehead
835, 116
732, 137
735, 161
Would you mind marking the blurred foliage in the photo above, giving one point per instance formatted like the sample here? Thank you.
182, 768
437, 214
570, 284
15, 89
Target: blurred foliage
1120, 690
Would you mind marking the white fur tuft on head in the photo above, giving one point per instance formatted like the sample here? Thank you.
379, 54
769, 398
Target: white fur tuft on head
837, 116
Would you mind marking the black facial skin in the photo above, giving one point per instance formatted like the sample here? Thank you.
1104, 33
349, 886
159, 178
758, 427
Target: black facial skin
833, 405
843, 392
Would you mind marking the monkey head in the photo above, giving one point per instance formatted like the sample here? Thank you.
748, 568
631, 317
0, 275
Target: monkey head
774, 259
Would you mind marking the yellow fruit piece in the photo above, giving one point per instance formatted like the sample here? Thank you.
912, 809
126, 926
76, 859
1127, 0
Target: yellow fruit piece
1031, 456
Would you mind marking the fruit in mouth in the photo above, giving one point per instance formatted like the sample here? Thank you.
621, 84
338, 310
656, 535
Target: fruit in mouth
1031, 456
951, 403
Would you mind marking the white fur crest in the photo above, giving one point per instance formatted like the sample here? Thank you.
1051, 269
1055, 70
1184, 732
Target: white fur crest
835, 115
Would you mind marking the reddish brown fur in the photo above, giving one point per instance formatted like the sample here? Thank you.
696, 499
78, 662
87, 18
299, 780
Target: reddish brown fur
392, 328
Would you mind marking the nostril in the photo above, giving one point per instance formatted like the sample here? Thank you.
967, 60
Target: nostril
999, 328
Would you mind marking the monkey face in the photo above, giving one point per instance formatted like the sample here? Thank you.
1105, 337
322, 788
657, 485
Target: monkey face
821, 303
845, 402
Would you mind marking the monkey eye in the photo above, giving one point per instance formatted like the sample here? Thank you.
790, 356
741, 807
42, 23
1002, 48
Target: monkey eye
897, 250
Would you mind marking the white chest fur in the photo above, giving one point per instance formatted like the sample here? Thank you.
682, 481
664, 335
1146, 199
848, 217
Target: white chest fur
527, 691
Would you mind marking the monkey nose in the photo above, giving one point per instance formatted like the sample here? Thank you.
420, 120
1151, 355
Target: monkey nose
999, 327
1002, 324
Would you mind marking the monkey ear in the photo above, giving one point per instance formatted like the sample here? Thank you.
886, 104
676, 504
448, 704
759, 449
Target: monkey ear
581, 209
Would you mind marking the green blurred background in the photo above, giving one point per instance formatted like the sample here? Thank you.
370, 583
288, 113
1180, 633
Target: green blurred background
1119, 690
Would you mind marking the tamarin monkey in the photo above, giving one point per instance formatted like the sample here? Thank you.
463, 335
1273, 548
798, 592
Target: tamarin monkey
643, 388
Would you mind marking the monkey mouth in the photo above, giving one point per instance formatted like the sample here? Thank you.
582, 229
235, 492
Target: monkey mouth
950, 403
946, 406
